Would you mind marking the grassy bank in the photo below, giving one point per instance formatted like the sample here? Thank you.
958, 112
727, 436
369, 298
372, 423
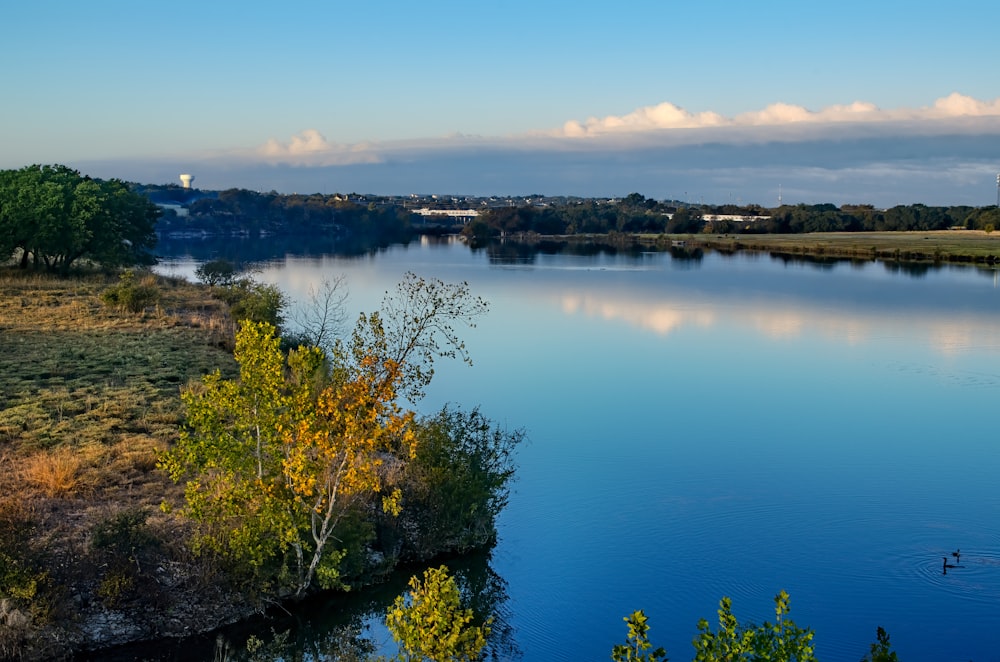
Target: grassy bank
89, 397
959, 246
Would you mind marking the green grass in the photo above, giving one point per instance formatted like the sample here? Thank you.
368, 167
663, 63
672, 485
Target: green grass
76, 372
89, 399
939, 246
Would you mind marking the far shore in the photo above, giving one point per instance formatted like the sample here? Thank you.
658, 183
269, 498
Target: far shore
958, 246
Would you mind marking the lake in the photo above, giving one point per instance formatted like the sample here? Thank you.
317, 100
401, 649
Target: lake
707, 426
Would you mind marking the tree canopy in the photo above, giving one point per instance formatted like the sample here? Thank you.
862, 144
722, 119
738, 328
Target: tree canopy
278, 459
52, 216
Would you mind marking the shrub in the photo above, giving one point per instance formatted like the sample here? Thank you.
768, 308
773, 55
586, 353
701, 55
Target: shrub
459, 480
130, 296
250, 301
216, 272
115, 587
432, 624
121, 542
20, 578
124, 533
636, 646
881, 650
782, 640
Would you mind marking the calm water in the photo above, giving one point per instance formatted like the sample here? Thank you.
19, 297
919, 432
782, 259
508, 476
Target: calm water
725, 426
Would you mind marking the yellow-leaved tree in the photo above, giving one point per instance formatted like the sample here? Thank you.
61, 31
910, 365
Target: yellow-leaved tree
431, 623
275, 459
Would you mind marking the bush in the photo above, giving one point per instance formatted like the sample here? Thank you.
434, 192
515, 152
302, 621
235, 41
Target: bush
782, 640
124, 533
18, 577
115, 588
881, 650
432, 623
132, 297
250, 301
122, 542
23, 585
216, 272
459, 480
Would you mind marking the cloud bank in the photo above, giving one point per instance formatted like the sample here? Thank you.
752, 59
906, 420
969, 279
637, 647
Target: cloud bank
667, 116
666, 124
945, 153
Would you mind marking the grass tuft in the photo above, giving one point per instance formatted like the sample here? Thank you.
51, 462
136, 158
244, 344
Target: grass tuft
55, 474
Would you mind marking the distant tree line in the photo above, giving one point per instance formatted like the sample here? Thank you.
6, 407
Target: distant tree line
51, 216
637, 214
239, 211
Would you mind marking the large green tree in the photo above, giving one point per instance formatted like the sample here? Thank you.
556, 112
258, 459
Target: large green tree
55, 216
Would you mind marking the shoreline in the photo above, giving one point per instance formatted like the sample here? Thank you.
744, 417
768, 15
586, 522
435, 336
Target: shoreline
940, 246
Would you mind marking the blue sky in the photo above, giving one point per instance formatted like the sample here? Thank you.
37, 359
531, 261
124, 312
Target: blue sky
720, 101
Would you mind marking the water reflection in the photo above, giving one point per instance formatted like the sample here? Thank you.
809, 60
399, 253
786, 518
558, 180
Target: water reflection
245, 251
771, 423
512, 252
350, 626
779, 321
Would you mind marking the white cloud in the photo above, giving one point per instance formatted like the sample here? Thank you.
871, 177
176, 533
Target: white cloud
667, 116
957, 105
310, 147
662, 116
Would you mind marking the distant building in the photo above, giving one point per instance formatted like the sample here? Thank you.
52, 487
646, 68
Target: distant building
464, 215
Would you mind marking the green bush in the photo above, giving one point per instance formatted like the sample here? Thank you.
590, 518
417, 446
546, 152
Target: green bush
130, 296
124, 533
881, 650
431, 623
781, 640
24, 603
459, 481
216, 272
121, 543
636, 646
250, 301
19, 578
115, 587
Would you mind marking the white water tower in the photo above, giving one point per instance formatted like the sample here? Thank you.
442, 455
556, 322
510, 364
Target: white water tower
186, 180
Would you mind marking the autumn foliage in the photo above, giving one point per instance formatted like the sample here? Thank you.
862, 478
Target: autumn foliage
301, 444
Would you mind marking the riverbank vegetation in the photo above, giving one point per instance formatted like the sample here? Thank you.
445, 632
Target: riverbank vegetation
443, 617
942, 246
98, 546
304, 465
